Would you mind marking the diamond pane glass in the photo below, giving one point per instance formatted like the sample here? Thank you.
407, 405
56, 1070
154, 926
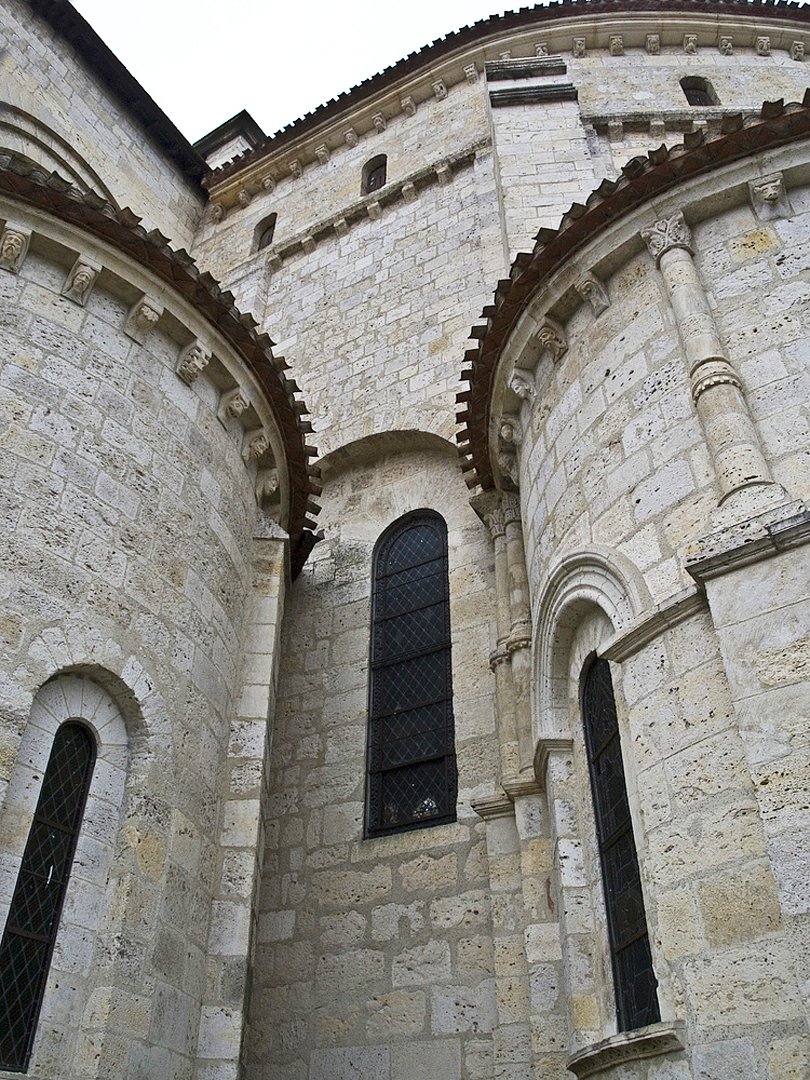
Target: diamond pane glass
411, 756
634, 978
27, 944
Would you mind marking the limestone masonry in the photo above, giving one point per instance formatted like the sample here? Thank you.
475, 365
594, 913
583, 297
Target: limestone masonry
405, 578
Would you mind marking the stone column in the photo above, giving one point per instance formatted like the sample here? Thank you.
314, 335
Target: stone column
730, 433
499, 658
520, 631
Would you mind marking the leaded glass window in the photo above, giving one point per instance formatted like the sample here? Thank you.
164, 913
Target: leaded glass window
633, 975
411, 752
33, 919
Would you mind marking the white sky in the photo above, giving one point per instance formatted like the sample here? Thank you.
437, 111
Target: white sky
203, 61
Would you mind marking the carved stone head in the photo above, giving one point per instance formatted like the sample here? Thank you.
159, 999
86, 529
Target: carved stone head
13, 247
769, 197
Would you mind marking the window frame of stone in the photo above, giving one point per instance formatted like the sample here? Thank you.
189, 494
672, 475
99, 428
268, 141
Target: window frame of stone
48, 834
696, 86
264, 232
637, 1005
421, 763
375, 174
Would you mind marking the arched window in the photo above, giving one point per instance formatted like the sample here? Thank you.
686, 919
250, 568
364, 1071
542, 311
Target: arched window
411, 750
633, 976
374, 174
699, 91
33, 919
263, 236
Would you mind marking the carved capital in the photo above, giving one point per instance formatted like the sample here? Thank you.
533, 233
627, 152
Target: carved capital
551, 337
726, 45
653, 44
80, 280
142, 317
193, 360
666, 235
690, 44
590, 288
769, 197
439, 90
578, 47
13, 248
255, 446
496, 521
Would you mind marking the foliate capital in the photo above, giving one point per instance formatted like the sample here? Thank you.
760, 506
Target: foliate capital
510, 502
668, 234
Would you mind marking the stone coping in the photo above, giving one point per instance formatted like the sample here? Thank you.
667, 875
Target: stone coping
645, 1042
642, 179
749, 541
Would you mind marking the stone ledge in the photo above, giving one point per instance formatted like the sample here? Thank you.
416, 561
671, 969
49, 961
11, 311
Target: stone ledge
675, 610
749, 541
627, 1046
532, 95
525, 67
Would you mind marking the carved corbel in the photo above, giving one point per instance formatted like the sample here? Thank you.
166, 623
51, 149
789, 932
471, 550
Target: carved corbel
268, 491
690, 44
232, 405
142, 318
14, 245
591, 289
269, 184
726, 45
296, 169
444, 174
763, 45
193, 360
439, 90
374, 210
409, 105
653, 44
350, 135
578, 47
522, 384
379, 122
216, 212
409, 192
541, 48
551, 337
255, 446
471, 73
797, 50
769, 197
616, 45
322, 153
244, 198
80, 280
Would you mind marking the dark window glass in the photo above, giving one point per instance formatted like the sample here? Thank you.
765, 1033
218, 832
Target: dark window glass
265, 232
411, 753
33, 919
636, 996
699, 91
374, 174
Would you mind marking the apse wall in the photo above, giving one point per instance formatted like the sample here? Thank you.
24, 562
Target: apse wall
128, 547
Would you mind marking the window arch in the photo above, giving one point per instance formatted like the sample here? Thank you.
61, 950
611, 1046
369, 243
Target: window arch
411, 766
263, 236
374, 174
633, 975
36, 904
699, 91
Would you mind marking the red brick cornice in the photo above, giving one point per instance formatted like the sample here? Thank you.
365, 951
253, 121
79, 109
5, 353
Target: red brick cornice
121, 229
641, 179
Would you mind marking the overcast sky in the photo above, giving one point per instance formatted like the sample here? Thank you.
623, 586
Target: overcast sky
203, 61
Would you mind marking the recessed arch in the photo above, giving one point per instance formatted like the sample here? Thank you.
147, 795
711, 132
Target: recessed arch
264, 232
375, 174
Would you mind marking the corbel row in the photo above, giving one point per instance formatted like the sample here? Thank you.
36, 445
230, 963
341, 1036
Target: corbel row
320, 154
407, 190
141, 319
690, 44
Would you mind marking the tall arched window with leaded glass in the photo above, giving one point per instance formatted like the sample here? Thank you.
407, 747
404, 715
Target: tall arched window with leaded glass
411, 780
633, 975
